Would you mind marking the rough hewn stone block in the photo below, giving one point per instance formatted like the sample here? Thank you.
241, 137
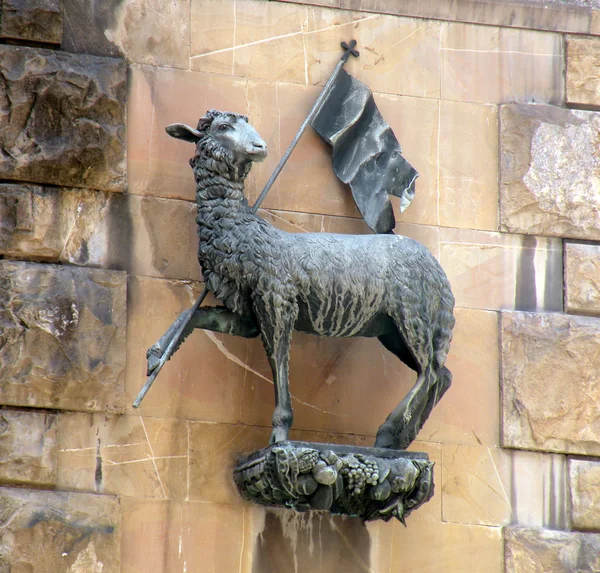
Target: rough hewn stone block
584, 482
27, 447
75, 226
59, 532
550, 390
85, 24
548, 171
62, 336
583, 71
143, 235
33, 20
545, 551
582, 278
62, 118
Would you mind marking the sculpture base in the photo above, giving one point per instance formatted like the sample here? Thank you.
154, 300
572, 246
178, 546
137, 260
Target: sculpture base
370, 483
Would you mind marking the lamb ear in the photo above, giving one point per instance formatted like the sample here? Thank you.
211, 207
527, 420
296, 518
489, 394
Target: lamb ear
182, 131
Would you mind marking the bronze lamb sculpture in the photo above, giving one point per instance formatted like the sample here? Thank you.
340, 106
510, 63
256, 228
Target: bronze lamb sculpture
272, 282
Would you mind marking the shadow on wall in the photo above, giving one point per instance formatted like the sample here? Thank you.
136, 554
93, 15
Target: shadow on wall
312, 542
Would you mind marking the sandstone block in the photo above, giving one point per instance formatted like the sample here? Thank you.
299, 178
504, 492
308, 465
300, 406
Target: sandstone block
59, 532
284, 42
595, 23
538, 490
62, 118
469, 411
545, 551
153, 32
485, 485
214, 449
476, 484
458, 547
572, 16
331, 379
316, 542
582, 278
164, 536
31, 20
548, 171
468, 165
27, 447
273, 30
200, 537
487, 64
550, 389
411, 67
583, 71
164, 238
584, 482
498, 270
158, 164
123, 455
62, 343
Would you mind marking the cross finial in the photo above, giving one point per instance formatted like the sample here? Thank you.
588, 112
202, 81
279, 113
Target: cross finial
349, 49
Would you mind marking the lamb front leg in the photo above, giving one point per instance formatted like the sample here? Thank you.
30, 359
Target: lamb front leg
155, 352
277, 324
283, 415
215, 318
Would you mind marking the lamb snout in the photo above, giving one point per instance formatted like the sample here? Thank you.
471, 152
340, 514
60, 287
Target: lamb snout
257, 150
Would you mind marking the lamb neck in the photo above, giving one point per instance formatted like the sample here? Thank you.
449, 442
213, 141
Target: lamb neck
227, 230
221, 205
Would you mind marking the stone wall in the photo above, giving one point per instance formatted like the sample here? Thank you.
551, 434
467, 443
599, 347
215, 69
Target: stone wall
493, 103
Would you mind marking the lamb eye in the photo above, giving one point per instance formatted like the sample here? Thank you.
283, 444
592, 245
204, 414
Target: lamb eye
224, 127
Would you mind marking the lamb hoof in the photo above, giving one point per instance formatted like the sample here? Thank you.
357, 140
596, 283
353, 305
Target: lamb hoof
278, 435
385, 438
394, 440
153, 356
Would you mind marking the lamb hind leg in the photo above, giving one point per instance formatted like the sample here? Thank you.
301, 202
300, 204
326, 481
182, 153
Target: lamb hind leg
424, 400
216, 318
403, 424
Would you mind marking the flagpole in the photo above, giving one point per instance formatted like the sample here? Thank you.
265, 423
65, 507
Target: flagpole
349, 49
